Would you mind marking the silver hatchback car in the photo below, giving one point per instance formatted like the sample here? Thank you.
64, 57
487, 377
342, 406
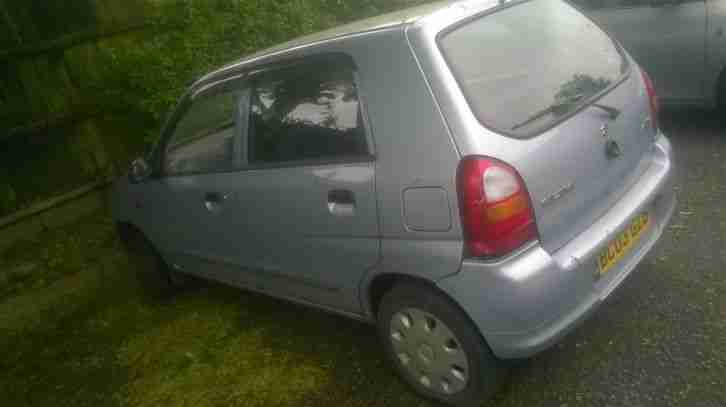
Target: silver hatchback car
474, 177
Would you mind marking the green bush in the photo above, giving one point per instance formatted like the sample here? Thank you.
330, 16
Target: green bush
8, 198
143, 76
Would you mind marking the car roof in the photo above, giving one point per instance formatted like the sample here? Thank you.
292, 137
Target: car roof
394, 19
385, 21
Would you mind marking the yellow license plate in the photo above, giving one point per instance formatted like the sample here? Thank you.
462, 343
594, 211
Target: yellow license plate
621, 245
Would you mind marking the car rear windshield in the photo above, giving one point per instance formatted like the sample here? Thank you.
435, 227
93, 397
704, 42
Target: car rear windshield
529, 66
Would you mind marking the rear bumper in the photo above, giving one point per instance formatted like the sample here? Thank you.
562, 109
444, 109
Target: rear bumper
527, 302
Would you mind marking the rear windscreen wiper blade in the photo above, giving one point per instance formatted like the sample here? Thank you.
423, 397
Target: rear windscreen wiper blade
549, 109
611, 111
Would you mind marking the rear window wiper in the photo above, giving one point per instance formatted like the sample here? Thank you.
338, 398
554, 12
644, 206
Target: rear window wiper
547, 110
612, 112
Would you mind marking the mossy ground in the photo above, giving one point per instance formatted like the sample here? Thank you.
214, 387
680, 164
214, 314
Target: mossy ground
90, 338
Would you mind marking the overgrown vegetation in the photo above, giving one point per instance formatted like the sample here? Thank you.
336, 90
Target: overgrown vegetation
38, 263
145, 75
122, 87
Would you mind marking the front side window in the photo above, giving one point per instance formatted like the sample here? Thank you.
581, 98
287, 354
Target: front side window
307, 111
205, 137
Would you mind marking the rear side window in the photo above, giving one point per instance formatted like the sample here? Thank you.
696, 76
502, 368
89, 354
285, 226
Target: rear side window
308, 111
526, 67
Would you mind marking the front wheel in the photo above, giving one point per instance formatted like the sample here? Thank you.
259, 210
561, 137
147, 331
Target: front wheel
435, 348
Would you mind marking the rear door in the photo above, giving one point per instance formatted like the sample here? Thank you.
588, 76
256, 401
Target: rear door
562, 96
667, 37
307, 205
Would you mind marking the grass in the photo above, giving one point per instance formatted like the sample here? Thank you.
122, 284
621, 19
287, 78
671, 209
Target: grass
78, 333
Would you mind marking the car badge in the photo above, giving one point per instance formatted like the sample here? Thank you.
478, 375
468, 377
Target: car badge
612, 148
564, 190
604, 130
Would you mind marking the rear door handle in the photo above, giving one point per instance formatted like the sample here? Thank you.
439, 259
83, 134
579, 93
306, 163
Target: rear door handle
341, 196
341, 202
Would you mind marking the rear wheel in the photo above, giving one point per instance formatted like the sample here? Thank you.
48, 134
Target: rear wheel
435, 348
157, 280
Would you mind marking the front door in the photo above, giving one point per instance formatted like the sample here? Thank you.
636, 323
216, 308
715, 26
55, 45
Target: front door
666, 37
186, 207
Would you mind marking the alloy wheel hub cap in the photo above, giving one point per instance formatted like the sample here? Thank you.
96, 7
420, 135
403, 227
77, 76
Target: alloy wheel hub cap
429, 352
426, 354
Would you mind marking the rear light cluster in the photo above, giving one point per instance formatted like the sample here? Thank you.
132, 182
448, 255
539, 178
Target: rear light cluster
496, 210
652, 99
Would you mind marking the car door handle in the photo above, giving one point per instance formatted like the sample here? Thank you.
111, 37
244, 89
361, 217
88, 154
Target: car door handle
214, 200
215, 197
341, 202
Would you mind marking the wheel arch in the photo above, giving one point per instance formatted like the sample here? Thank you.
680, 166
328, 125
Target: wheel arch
132, 235
382, 283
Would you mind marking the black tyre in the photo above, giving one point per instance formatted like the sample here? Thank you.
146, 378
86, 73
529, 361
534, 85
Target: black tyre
157, 280
435, 348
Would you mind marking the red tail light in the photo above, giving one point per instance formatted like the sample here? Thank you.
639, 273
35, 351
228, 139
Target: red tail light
496, 211
652, 97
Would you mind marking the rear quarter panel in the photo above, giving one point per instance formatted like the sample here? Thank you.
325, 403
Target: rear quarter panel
415, 157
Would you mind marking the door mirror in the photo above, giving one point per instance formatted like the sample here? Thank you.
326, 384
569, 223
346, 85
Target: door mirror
140, 170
